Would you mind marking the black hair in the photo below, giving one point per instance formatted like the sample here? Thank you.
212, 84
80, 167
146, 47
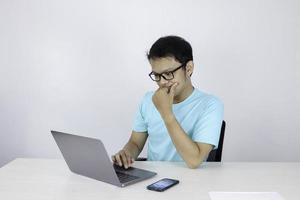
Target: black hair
171, 46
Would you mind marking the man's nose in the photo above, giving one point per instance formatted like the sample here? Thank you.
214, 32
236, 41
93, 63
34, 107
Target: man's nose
162, 81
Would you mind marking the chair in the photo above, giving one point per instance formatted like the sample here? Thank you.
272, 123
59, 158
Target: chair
215, 155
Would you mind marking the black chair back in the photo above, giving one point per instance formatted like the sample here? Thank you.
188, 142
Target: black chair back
216, 155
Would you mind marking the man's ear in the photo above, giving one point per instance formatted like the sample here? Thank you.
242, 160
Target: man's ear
189, 68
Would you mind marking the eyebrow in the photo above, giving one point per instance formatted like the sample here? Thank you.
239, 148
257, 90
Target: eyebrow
167, 70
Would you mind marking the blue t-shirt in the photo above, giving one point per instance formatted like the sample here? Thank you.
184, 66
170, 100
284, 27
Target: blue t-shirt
200, 116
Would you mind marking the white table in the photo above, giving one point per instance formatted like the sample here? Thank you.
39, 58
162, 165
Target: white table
51, 179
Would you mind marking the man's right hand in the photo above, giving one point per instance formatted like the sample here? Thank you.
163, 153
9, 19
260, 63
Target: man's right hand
123, 158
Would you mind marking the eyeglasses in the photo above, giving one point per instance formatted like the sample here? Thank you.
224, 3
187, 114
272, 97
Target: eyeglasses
166, 75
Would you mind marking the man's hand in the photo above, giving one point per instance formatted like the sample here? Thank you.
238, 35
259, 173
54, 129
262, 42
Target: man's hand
163, 99
123, 158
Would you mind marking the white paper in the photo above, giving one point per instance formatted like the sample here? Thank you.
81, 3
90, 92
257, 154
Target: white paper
245, 196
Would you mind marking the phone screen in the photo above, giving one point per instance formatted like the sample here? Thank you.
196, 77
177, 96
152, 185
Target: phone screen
162, 184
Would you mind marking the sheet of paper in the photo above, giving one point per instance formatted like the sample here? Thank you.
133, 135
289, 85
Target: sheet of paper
245, 196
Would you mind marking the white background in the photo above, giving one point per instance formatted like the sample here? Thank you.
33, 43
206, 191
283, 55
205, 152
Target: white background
80, 67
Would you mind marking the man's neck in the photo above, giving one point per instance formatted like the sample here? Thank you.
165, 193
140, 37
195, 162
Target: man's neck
185, 94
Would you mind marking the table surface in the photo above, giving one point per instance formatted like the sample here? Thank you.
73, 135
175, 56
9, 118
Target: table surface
33, 179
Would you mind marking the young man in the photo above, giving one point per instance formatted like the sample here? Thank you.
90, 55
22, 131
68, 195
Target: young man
181, 122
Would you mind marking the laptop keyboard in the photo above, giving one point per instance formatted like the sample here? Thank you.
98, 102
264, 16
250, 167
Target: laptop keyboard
124, 178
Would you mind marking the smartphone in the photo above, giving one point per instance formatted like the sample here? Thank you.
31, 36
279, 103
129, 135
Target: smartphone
162, 184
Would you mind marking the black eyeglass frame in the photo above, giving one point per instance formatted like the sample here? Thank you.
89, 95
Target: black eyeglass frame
162, 74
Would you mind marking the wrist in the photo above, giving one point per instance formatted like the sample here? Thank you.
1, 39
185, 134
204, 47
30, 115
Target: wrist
168, 117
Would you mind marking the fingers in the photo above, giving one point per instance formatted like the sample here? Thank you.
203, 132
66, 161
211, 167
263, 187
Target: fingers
130, 160
123, 158
118, 159
164, 89
173, 87
113, 159
169, 84
169, 87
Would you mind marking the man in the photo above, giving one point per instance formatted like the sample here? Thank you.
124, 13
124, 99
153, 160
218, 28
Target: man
181, 122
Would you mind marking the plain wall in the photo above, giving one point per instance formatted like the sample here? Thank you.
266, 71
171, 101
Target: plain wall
80, 67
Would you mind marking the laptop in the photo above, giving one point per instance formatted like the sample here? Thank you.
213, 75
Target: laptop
88, 157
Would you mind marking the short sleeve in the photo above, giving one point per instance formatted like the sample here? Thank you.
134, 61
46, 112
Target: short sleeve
139, 122
208, 126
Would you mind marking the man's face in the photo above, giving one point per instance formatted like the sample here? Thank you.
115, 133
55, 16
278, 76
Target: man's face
167, 64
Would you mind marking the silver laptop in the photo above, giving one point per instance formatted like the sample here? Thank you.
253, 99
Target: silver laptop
88, 157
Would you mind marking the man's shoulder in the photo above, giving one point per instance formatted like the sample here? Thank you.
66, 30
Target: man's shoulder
207, 99
147, 99
147, 96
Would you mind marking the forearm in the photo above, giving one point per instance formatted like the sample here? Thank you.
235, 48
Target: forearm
133, 149
185, 146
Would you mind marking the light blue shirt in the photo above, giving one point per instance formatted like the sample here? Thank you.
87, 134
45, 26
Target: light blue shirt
200, 115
